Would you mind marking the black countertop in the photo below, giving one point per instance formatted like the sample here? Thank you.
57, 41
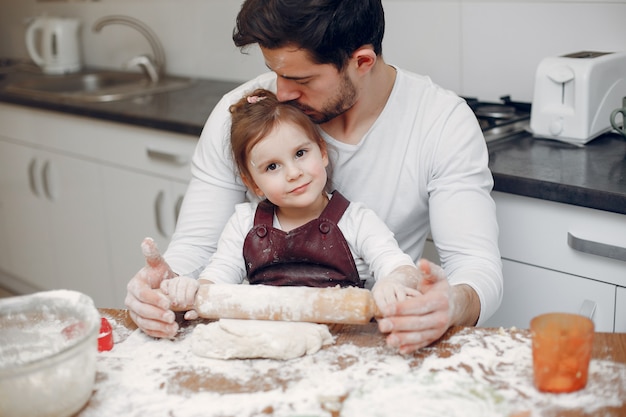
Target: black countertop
183, 111
592, 176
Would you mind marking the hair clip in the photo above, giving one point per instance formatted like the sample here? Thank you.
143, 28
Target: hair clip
255, 99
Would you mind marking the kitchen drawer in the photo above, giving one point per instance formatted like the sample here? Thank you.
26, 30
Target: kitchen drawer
536, 232
164, 154
530, 291
46, 130
150, 151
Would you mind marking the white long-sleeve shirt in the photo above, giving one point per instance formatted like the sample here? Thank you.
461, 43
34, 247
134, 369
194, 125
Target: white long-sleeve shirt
372, 245
422, 167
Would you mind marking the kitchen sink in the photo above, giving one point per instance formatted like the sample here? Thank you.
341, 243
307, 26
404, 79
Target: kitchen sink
93, 86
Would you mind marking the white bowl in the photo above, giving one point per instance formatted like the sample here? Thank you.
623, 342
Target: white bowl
48, 348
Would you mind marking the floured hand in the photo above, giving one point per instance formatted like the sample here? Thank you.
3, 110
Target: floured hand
397, 286
421, 319
182, 293
148, 308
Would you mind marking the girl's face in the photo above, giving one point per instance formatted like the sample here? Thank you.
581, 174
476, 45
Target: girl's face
288, 168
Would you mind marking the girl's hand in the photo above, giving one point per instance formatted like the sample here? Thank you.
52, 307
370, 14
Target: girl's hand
397, 286
182, 294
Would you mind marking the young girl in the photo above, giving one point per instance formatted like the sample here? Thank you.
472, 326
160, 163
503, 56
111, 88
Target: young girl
299, 234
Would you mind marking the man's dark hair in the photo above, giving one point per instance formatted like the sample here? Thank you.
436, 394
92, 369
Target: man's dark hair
329, 30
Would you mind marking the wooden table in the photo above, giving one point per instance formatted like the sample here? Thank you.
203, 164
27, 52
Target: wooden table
494, 365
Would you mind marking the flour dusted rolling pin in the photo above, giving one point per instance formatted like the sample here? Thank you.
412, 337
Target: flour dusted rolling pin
348, 305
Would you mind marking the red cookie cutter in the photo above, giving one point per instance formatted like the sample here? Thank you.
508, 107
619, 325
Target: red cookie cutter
105, 339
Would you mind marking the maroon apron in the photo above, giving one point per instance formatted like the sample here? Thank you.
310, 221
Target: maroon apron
315, 254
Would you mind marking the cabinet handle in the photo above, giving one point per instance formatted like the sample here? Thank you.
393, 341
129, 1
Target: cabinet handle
179, 204
588, 308
596, 248
49, 183
33, 177
158, 213
169, 157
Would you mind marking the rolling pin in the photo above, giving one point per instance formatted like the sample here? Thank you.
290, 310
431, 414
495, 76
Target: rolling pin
349, 305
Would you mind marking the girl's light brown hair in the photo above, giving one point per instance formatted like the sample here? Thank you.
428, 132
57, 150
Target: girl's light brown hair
255, 116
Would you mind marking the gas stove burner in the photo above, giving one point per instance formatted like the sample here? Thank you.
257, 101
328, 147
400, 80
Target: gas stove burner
500, 120
495, 111
484, 124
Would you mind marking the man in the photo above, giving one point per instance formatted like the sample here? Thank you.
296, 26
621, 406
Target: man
408, 149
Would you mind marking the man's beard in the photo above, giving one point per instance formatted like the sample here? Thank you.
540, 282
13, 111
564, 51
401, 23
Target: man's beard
335, 106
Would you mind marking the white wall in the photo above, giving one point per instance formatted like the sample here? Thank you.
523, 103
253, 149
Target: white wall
476, 48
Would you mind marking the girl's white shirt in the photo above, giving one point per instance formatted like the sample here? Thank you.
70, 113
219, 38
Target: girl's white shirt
374, 249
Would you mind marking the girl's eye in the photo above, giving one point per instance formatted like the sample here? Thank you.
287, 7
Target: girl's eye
271, 167
300, 153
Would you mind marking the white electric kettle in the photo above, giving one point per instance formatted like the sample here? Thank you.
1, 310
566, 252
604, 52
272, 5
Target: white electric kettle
53, 44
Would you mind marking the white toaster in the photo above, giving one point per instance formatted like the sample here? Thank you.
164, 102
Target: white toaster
575, 95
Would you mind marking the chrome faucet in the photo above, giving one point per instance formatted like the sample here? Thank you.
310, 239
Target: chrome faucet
154, 66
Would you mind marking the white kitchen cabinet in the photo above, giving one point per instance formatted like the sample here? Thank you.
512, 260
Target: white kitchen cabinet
536, 232
143, 207
25, 226
78, 228
542, 272
78, 195
143, 187
530, 291
620, 310
52, 213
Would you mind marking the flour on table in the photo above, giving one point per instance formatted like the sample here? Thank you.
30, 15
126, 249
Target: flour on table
484, 374
249, 339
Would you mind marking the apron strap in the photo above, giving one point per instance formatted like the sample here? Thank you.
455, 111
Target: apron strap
335, 207
264, 213
333, 211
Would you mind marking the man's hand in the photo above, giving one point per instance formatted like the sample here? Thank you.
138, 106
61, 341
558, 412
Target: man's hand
148, 308
423, 318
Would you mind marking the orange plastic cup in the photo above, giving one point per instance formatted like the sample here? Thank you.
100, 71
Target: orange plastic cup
561, 351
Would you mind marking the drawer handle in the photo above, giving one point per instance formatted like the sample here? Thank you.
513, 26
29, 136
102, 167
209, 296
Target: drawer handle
169, 157
596, 248
49, 181
177, 207
158, 213
33, 176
